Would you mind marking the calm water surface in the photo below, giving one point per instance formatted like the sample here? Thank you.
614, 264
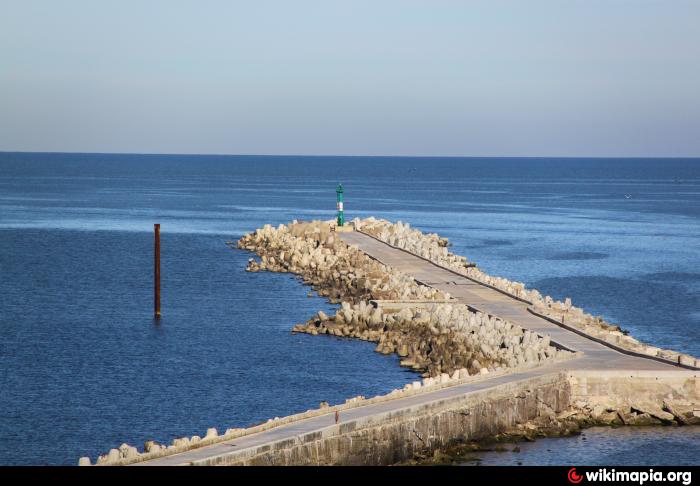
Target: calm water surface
83, 367
601, 446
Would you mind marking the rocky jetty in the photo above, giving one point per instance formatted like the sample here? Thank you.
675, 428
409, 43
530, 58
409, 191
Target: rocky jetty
429, 246
334, 269
448, 343
439, 339
433, 247
434, 339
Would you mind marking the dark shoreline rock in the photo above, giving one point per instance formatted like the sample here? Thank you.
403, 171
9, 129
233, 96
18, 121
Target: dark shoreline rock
567, 424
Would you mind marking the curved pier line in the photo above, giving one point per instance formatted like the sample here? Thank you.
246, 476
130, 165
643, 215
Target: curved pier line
490, 300
350, 240
456, 301
608, 344
448, 269
598, 360
306, 430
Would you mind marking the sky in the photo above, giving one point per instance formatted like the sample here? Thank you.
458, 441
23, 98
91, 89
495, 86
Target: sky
437, 77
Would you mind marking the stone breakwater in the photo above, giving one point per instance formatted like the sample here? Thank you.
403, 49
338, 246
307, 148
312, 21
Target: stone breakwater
336, 270
450, 344
553, 403
596, 327
435, 339
429, 246
453, 356
600, 398
439, 340
433, 247
127, 454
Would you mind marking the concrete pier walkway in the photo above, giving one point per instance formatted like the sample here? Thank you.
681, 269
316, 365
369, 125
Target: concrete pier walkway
595, 357
485, 299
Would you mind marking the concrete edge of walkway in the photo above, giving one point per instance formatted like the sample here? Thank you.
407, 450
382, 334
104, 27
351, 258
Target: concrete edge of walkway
633, 373
609, 344
447, 268
388, 398
367, 420
443, 399
535, 313
297, 418
473, 308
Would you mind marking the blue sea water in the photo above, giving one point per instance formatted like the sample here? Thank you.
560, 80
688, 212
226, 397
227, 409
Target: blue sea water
83, 366
601, 446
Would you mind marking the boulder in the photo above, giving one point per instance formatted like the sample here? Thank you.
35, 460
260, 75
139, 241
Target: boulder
653, 411
181, 442
113, 455
148, 445
684, 412
375, 317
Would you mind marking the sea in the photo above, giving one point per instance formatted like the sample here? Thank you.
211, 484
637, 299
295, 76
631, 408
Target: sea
84, 367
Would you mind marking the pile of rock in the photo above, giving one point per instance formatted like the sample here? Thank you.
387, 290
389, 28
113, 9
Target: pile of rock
334, 269
432, 247
400, 235
436, 339
439, 338
127, 454
671, 412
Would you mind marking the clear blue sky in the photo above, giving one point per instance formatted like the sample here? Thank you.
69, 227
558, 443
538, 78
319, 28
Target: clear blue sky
481, 78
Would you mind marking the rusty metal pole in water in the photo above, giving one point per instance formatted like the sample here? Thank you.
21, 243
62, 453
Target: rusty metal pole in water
156, 272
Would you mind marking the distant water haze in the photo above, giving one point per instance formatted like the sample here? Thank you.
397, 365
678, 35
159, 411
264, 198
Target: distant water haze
83, 367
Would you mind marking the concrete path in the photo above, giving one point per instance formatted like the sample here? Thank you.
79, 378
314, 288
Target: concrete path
488, 300
317, 424
596, 356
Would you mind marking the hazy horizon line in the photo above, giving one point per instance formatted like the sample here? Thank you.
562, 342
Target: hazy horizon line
184, 154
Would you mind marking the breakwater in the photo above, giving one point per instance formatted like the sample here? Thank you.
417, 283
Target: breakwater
550, 405
434, 248
444, 340
432, 338
412, 424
